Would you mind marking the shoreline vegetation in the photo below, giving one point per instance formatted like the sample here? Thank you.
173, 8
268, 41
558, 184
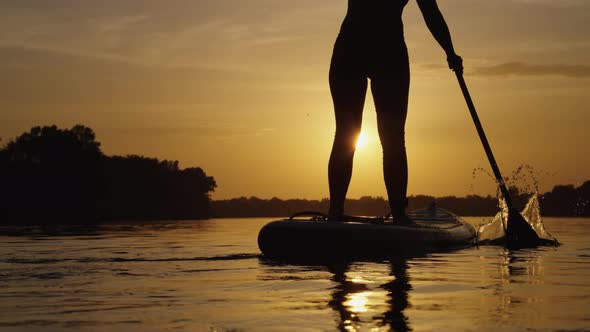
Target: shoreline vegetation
60, 176
562, 201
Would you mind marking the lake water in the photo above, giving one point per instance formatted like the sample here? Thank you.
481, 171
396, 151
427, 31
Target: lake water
209, 276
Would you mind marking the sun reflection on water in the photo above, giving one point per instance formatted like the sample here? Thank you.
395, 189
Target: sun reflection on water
357, 302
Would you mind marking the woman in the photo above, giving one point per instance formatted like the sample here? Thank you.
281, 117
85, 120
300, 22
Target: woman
371, 45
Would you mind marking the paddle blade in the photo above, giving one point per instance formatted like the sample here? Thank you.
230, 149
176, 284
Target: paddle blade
519, 233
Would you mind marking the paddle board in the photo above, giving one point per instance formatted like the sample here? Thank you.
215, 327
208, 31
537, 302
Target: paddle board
309, 235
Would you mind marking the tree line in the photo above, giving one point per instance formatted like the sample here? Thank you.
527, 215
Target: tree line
563, 200
50, 175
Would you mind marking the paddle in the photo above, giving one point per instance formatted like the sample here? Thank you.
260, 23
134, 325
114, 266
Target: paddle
519, 234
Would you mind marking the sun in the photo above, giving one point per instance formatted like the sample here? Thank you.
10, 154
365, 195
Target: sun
362, 140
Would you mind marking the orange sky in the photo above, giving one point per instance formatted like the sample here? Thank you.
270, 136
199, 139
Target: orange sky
240, 88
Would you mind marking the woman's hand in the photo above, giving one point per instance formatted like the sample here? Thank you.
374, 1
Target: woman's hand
455, 63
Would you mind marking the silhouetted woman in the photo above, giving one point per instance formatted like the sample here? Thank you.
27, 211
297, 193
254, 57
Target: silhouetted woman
371, 45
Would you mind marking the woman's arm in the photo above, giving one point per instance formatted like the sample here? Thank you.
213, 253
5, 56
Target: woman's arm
439, 29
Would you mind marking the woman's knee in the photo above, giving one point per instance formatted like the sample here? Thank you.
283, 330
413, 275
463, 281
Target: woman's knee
393, 142
345, 139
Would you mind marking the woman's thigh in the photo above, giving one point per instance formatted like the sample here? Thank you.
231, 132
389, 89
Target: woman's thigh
348, 85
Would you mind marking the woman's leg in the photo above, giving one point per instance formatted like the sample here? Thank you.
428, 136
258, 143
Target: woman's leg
348, 86
390, 87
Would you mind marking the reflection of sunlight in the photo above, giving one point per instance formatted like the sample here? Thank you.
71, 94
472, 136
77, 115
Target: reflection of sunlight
358, 280
348, 325
357, 302
362, 140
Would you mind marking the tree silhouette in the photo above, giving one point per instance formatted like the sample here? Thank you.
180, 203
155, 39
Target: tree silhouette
53, 175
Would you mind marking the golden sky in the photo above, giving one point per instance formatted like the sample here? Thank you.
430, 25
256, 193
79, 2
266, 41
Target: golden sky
239, 87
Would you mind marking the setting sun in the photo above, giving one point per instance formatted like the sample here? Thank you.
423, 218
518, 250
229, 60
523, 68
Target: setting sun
362, 140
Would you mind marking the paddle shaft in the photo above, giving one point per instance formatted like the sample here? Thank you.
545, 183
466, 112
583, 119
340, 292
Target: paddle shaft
484, 140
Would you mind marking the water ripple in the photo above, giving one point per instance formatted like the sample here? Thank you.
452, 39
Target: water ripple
127, 260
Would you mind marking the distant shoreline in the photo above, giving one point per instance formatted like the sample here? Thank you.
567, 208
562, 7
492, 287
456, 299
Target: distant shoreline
561, 201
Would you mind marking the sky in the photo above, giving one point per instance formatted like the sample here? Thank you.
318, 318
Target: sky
239, 88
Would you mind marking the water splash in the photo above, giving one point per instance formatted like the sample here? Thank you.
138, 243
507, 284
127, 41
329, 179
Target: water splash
476, 174
524, 186
525, 179
495, 231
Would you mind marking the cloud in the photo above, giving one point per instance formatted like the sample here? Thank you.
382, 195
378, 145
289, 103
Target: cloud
524, 69
53, 77
213, 130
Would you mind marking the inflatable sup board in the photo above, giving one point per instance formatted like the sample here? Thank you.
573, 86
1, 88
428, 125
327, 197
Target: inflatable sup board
310, 235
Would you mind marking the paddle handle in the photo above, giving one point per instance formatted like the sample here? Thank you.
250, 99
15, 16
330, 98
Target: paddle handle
483, 138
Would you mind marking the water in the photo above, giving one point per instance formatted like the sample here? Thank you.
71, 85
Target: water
208, 276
